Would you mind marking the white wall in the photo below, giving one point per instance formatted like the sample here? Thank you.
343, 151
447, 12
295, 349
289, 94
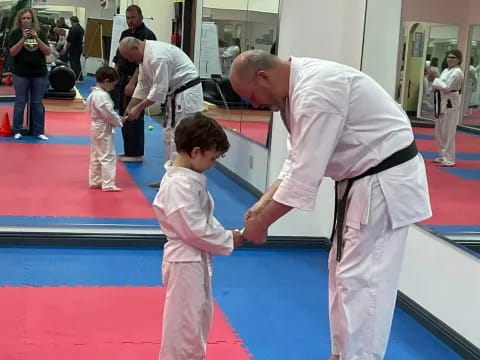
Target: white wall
162, 13
444, 280
382, 31
92, 8
254, 5
247, 159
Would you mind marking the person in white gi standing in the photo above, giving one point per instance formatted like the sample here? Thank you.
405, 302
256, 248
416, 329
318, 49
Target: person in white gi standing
99, 105
166, 74
184, 209
344, 125
447, 101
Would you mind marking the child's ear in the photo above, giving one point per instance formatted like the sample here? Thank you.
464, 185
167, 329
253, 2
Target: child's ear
195, 152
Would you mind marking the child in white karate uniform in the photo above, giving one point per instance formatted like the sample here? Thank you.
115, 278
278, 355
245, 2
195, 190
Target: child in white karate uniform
184, 209
99, 105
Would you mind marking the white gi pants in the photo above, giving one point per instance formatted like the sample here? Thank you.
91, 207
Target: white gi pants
169, 132
445, 130
102, 158
363, 285
188, 310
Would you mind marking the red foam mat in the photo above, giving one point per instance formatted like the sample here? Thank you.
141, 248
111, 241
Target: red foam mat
95, 323
59, 123
454, 200
52, 180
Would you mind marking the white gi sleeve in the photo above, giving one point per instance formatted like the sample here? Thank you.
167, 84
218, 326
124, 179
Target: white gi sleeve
454, 82
287, 164
160, 82
193, 227
314, 139
181, 205
143, 85
105, 110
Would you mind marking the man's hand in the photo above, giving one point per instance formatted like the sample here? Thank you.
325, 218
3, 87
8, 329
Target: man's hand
255, 209
256, 235
255, 231
133, 113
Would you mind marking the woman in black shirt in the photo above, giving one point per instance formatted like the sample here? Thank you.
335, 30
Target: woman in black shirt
28, 47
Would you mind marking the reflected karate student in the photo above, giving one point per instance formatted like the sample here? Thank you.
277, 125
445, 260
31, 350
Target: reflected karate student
99, 105
447, 101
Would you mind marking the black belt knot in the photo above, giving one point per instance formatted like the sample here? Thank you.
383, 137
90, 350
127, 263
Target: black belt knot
393, 160
172, 96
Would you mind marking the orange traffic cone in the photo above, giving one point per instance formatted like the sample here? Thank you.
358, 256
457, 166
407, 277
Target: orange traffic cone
8, 80
6, 130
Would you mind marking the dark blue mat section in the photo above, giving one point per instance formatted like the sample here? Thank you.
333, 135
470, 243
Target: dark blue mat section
75, 221
455, 229
275, 299
32, 266
458, 156
424, 137
467, 174
62, 140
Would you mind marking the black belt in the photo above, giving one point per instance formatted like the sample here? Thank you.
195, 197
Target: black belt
393, 160
172, 96
437, 100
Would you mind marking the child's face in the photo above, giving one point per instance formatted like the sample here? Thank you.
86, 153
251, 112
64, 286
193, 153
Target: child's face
202, 161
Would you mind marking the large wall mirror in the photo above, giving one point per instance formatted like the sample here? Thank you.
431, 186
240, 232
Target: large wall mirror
228, 28
430, 30
471, 114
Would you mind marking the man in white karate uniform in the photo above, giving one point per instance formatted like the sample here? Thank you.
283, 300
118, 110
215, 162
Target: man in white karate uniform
344, 125
166, 75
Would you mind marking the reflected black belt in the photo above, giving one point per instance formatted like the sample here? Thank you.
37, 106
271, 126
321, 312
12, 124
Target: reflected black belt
437, 100
393, 160
174, 94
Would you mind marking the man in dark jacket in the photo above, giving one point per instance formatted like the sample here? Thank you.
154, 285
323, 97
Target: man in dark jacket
133, 131
74, 47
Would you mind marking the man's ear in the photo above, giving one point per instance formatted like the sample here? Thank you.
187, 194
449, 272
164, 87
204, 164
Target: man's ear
263, 75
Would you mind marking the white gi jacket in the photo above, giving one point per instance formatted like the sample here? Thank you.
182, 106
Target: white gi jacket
164, 69
184, 209
449, 83
99, 105
342, 123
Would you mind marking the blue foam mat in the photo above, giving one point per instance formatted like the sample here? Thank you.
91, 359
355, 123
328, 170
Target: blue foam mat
275, 299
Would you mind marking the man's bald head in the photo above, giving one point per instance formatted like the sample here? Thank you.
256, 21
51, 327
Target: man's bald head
128, 43
131, 49
247, 65
261, 78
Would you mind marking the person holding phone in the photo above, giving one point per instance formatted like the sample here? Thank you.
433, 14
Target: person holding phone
28, 47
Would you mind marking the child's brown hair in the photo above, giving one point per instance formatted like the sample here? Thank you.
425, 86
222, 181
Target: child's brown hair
202, 131
104, 73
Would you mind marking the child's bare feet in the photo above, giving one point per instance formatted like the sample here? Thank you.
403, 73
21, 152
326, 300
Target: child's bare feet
114, 188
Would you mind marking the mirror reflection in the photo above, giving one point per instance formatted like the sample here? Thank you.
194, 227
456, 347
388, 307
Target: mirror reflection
472, 94
226, 32
438, 87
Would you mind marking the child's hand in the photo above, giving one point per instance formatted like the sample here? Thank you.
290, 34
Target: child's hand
237, 239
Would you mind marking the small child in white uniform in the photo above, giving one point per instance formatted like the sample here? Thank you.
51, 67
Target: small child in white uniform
99, 105
184, 209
